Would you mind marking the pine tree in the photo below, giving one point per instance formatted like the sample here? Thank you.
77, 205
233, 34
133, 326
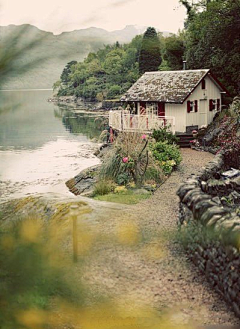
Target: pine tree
150, 54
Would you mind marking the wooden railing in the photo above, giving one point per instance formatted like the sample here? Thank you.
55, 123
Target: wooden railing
121, 121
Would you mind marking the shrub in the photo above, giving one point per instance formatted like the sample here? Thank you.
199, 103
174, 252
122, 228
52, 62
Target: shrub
99, 97
103, 187
164, 135
123, 179
154, 173
112, 165
114, 91
167, 155
128, 160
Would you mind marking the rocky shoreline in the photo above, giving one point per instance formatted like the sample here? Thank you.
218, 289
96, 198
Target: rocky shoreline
83, 183
80, 103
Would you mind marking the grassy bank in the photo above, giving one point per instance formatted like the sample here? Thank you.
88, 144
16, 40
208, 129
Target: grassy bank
127, 197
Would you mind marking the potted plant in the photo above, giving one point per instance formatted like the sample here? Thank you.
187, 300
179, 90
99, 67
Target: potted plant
194, 133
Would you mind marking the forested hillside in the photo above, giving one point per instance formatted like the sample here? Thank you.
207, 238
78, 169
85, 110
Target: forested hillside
210, 39
112, 70
104, 74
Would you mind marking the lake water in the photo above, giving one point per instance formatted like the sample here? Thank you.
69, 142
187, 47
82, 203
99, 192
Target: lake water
42, 145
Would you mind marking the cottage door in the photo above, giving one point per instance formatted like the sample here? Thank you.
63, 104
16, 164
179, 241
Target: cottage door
202, 113
143, 108
161, 109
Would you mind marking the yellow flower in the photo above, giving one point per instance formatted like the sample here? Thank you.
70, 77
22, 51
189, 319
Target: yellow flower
120, 189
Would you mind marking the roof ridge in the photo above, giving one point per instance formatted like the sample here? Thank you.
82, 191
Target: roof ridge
166, 86
198, 70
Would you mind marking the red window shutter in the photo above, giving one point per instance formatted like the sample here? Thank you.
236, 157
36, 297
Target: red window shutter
218, 104
203, 84
196, 106
210, 104
188, 106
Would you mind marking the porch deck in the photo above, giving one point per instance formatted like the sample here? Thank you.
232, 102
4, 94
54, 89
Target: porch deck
122, 121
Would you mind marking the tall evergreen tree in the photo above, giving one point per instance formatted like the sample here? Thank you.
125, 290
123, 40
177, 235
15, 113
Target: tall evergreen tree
150, 54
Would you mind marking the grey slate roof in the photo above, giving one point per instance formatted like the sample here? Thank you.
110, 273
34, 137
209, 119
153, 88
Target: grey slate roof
165, 86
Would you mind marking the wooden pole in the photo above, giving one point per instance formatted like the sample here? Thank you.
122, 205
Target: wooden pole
111, 135
73, 211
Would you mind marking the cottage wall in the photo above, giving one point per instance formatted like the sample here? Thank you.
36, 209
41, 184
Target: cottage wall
203, 116
213, 93
179, 112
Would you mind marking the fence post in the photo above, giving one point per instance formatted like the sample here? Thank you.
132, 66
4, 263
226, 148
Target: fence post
111, 135
121, 120
110, 118
73, 213
173, 125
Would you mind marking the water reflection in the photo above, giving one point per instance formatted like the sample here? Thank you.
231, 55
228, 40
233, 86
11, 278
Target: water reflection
81, 123
42, 145
28, 121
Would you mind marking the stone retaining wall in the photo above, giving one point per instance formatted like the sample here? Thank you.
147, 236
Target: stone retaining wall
210, 228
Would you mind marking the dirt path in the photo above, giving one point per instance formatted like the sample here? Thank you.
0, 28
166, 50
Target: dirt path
153, 270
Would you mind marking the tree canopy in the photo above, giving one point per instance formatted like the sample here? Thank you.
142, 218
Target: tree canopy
173, 49
212, 40
105, 74
150, 53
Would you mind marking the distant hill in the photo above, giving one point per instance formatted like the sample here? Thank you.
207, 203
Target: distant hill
44, 55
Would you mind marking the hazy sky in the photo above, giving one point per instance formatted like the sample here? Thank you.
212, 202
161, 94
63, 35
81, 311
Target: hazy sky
67, 15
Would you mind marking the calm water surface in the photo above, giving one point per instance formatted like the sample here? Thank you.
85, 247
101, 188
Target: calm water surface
42, 145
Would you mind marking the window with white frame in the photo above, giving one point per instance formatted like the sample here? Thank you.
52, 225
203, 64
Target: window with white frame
214, 104
152, 108
192, 106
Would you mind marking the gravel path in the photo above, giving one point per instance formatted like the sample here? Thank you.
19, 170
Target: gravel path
154, 270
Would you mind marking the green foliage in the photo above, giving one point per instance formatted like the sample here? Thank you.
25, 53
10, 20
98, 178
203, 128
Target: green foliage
128, 160
112, 165
164, 66
154, 173
212, 40
167, 155
113, 91
193, 234
56, 85
128, 197
164, 135
174, 51
105, 74
65, 76
150, 54
123, 178
103, 187
32, 274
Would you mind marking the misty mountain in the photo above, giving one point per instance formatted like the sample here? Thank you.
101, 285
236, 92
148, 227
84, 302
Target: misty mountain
36, 58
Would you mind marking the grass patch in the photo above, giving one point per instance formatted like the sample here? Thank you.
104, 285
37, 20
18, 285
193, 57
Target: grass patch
128, 197
103, 187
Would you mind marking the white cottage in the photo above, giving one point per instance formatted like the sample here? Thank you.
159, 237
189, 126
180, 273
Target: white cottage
190, 97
